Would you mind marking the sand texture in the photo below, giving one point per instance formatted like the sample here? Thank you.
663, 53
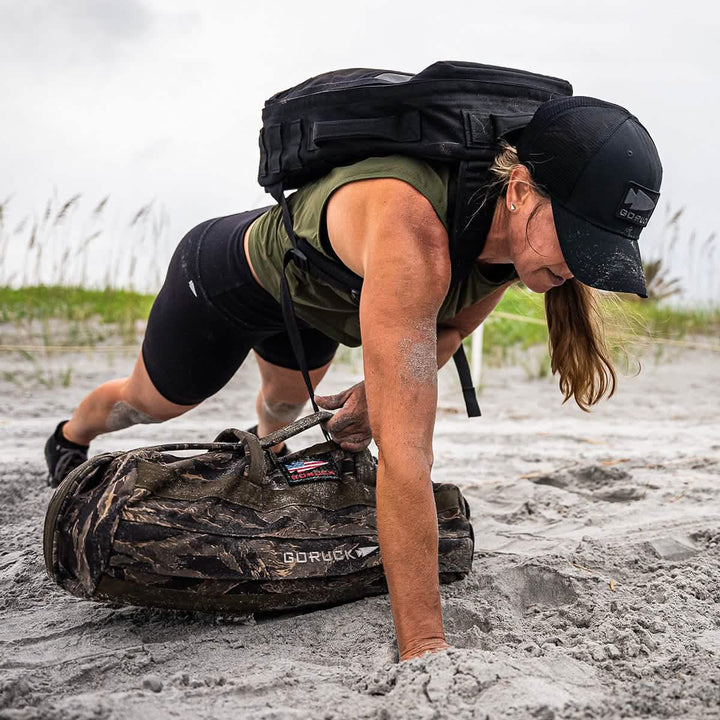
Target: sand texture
595, 591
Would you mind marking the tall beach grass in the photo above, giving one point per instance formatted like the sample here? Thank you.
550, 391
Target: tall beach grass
83, 242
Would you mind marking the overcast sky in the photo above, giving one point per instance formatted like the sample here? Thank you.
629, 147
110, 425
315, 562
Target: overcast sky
155, 99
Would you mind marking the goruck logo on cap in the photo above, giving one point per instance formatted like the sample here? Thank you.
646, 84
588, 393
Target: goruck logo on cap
637, 204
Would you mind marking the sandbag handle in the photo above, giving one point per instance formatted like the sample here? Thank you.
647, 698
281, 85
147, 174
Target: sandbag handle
295, 428
247, 442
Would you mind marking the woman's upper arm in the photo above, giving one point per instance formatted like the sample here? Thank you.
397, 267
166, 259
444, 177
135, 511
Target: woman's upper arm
378, 208
360, 210
405, 262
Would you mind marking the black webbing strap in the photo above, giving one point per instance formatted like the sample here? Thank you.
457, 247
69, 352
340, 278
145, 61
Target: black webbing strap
310, 259
466, 382
294, 333
288, 311
328, 270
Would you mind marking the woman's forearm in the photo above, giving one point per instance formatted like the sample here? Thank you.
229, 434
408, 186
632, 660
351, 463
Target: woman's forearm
408, 533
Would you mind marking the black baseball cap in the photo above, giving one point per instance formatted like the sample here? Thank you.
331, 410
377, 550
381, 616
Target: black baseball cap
603, 173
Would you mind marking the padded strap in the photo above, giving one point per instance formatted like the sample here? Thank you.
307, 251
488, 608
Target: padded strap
294, 255
328, 270
311, 260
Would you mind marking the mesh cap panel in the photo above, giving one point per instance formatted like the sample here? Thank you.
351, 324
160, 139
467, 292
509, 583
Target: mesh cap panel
563, 137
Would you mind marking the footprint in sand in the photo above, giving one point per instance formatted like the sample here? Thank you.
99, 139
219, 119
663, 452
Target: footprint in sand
596, 482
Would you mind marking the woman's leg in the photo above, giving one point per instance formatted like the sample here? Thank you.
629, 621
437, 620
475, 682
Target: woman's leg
282, 394
118, 404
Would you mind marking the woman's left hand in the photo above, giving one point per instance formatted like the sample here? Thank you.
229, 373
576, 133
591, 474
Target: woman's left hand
350, 426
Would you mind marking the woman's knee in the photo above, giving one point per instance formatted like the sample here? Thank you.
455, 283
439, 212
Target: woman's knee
279, 411
135, 409
123, 415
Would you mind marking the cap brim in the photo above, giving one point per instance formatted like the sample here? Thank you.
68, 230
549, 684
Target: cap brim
597, 257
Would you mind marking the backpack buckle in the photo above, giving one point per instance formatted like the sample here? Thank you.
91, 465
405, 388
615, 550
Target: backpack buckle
299, 258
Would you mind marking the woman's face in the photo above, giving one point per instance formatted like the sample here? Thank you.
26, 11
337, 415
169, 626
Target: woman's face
534, 245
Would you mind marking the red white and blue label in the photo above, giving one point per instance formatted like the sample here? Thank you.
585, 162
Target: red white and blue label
321, 467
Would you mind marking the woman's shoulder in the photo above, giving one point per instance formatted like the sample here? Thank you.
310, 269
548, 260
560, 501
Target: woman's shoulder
429, 179
400, 166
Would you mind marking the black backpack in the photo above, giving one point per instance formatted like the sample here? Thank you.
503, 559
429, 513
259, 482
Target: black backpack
452, 112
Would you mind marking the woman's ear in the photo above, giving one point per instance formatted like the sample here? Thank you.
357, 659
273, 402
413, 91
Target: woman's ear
519, 188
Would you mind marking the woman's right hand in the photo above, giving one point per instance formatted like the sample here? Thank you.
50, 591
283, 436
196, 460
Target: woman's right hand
350, 426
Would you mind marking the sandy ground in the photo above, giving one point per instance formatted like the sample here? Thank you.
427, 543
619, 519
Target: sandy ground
594, 593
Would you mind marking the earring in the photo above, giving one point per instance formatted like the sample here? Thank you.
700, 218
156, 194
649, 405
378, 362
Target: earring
512, 206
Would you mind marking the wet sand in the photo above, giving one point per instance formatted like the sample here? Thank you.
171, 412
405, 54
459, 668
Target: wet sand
594, 593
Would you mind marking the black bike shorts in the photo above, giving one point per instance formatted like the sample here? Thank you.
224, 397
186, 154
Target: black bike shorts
211, 312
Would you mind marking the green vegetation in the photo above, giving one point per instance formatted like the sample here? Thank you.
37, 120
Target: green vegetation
47, 317
506, 332
57, 246
73, 304
628, 320
45, 308
651, 319
122, 308
37, 322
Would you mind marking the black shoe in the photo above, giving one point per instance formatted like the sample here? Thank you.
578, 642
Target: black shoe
62, 456
282, 452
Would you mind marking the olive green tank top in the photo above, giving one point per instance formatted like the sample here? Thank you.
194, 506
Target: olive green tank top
322, 306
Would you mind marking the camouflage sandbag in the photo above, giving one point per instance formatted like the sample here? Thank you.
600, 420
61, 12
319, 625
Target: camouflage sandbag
233, 529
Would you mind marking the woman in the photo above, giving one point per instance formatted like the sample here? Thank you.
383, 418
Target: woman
564, 213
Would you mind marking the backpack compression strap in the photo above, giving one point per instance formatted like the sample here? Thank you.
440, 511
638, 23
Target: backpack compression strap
466, 382
309, 259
